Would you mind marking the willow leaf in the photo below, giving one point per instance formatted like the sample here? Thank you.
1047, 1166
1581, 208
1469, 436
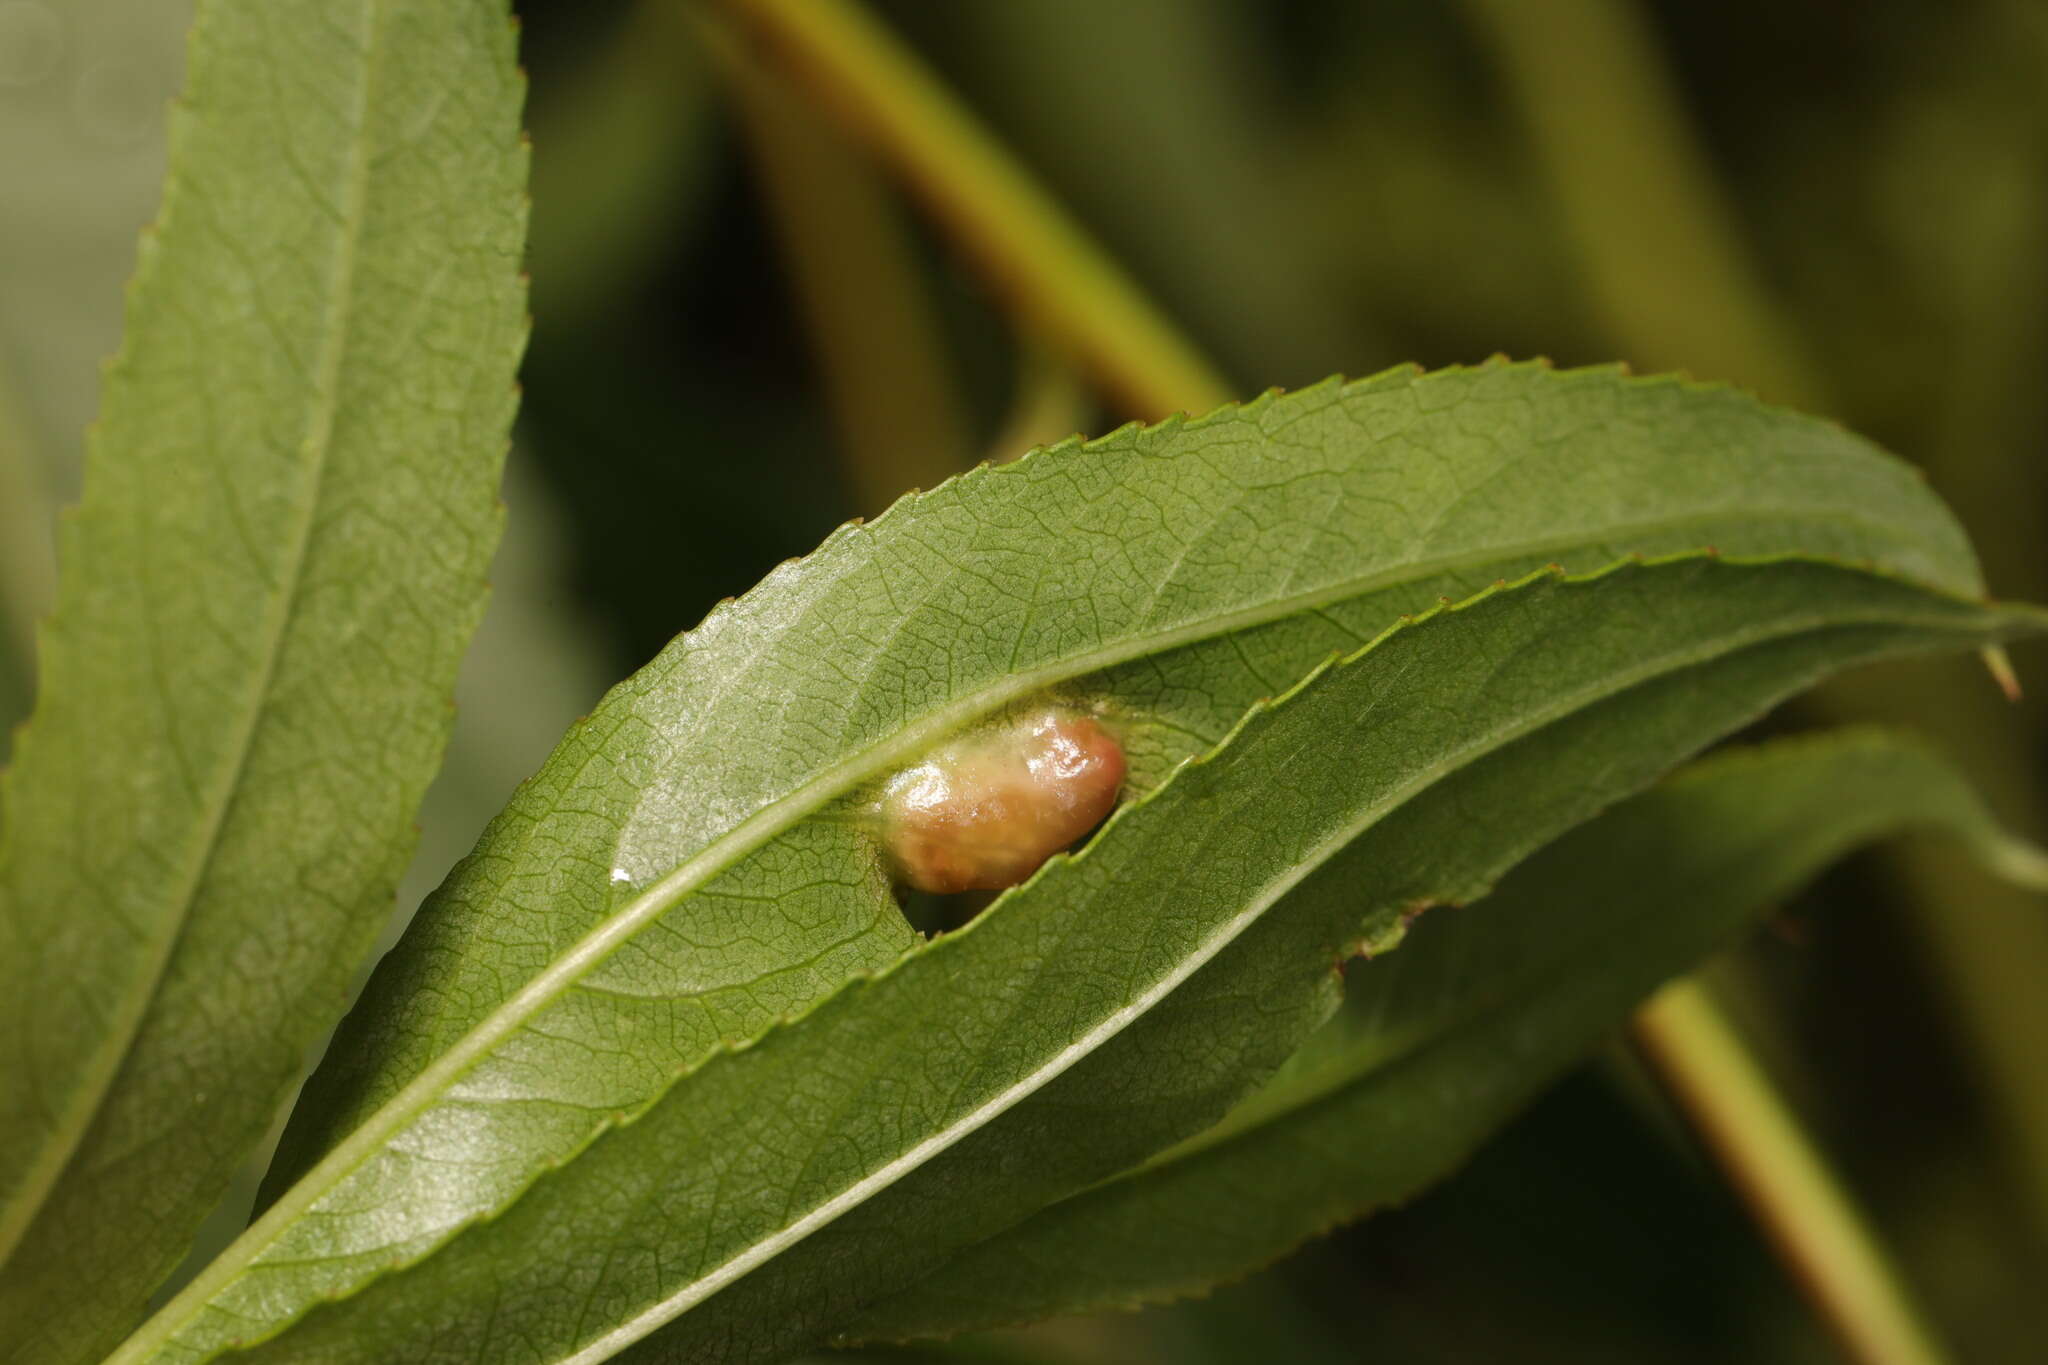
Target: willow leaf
290, 504
676, 875
1441, 1042
613, 924
666, 882
1120, 1000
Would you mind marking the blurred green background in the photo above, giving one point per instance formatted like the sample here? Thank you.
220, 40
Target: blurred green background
746, 332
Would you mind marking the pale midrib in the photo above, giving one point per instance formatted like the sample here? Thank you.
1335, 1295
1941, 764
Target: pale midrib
370, 1136
1114, 1023
126, 1026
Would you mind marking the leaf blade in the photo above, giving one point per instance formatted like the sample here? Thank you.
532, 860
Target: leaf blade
278, 560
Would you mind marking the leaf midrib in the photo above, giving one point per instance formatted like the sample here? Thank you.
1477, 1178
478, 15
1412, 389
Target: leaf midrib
106, 1063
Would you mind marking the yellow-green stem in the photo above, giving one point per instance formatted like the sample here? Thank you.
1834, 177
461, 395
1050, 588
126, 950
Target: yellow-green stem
1814, 1226
1658, 248
622, 152
893, 395
1053, 274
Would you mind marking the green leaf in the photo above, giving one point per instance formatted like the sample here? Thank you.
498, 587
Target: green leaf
1119, 1001
290, 503
678, 874
1184, 570
1441, 1042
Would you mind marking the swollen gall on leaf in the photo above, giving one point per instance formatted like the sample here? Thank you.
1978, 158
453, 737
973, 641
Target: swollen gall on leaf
981, 813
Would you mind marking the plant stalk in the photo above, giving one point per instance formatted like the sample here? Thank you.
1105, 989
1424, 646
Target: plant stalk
1813, 1225
1053, 274
1659, 247
893, 394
